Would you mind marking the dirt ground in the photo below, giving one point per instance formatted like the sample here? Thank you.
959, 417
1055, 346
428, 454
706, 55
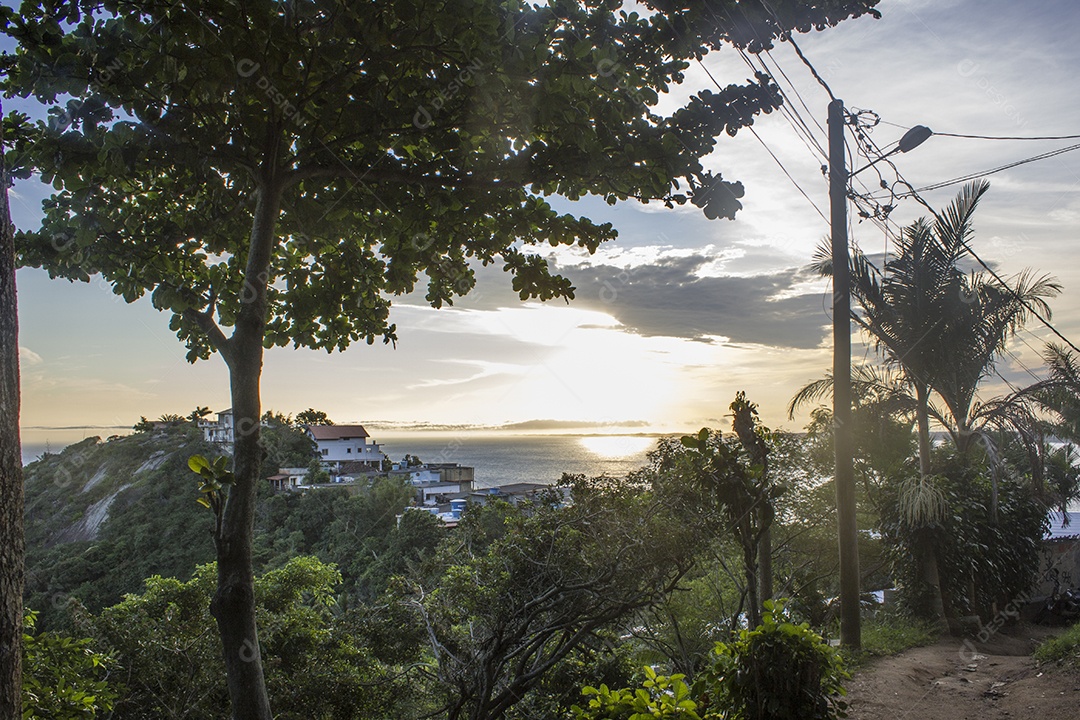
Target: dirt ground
958, 680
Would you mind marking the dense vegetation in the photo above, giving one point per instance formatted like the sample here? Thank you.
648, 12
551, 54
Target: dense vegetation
368, 609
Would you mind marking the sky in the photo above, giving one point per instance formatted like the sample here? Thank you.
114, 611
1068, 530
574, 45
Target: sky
681, 312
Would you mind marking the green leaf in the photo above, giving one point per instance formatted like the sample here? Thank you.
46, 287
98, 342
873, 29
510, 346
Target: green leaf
198, 464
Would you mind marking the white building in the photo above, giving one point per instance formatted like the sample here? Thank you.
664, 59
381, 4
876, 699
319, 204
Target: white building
344, 443
288, 479
221, 431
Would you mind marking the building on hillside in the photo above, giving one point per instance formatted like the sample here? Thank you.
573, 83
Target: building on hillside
344, 443
450, 506
436, 480
221, 432
288, 479
513, 493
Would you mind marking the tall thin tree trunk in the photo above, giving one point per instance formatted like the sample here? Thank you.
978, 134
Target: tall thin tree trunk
926, 551
922, 416
750, 569
765, 574
12, 540
233, 605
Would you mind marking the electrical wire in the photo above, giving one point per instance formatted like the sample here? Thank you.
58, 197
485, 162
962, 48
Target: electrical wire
773, 155
984, 173
1007, 137
794, 89
790, 106
813, 70
792, 179
788, 109
912, 192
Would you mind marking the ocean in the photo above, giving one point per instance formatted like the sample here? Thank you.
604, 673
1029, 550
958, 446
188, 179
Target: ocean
498, 459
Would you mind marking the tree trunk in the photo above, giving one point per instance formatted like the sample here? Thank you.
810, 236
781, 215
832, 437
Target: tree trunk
926, 552
922, 415
931, 576
12, 541
750, 569
765, 575
233, 605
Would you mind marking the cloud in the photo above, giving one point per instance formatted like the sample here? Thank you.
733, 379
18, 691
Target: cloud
672, 298
29, 357
485, 369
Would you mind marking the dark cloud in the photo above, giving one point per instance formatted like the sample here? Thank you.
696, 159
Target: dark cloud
668, 298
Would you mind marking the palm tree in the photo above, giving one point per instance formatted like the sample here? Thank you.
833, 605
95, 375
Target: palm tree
942, 327
1060, 393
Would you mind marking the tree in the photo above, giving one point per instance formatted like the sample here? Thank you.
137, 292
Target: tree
166, 655
523, 587
12, 541
942, 328
313, 417
729, 481
198, 413
1060, 393
281, 187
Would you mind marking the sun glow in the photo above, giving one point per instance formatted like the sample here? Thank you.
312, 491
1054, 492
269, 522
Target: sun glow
612, 447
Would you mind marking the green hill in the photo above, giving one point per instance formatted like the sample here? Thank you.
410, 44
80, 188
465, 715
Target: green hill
102, 516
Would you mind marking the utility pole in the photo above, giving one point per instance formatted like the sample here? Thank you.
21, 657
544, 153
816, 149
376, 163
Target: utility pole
843, 443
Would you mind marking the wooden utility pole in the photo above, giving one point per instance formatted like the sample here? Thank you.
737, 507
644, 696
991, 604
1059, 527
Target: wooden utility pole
843, 443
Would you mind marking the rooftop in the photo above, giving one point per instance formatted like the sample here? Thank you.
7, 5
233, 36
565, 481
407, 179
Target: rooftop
337, 432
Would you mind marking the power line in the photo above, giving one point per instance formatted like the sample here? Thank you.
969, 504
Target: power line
984, 173
772, 154
788, 109
793, 182
813, 70
912, 192
1008, 137
792, 105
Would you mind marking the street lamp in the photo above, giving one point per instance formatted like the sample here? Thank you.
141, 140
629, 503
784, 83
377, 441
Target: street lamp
912, 139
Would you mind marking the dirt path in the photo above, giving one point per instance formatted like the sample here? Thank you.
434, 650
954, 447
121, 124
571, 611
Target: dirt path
958, 680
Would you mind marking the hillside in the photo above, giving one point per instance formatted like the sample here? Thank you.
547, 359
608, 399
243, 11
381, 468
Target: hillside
101, 516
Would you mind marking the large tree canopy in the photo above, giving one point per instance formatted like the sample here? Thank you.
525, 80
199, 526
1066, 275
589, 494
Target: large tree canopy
278, 170
397, 138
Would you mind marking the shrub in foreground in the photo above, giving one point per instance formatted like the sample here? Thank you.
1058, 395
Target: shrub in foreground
777, 671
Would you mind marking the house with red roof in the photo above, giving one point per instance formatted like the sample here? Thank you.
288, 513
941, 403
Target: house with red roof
345, 443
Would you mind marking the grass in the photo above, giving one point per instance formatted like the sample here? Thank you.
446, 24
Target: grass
888, 635
1064, 648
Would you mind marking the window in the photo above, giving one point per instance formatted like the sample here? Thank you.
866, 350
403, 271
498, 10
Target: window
324, 451
348, 451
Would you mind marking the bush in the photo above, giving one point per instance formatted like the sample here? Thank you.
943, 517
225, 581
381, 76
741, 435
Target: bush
981, 560
777, 671
1064, 648
63, 678
660, 696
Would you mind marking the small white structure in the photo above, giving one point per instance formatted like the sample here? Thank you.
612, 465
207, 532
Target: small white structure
344, 443
221, 431
437, 479
288, 480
